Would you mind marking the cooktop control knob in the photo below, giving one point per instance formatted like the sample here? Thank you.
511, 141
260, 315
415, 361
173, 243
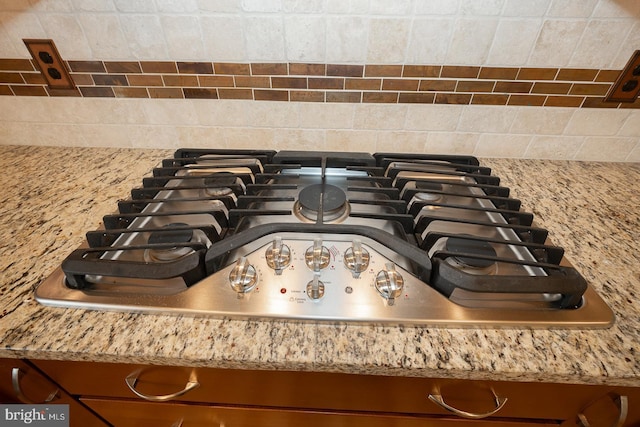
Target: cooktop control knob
278, 255
315, 288
389, 283
243, 276
356, 258
317, 256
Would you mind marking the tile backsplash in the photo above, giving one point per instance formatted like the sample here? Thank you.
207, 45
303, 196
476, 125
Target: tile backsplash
505, 78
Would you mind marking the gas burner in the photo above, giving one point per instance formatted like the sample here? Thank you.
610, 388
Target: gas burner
219, 185
322, 202
473, 247
166, 237
425, 194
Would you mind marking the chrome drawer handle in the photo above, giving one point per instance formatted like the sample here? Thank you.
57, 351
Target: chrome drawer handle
15, 382
133, 378
622, 402
439, 400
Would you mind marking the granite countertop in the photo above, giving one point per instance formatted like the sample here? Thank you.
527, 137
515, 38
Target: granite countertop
52, 195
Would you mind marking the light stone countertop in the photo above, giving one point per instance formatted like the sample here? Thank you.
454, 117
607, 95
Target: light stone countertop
51, 196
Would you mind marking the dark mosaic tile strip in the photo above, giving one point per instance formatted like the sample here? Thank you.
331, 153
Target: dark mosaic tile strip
306, 82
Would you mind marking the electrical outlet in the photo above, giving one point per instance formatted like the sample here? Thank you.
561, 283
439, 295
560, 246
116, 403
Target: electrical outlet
627, 86
50, 63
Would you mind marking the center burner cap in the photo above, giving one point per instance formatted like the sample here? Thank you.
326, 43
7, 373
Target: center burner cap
325, 198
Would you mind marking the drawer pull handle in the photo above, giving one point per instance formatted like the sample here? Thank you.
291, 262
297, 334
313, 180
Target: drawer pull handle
15, 382
439, 400
133, 378
622, 402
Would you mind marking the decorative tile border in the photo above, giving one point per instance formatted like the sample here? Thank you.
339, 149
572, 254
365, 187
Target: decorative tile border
299, 82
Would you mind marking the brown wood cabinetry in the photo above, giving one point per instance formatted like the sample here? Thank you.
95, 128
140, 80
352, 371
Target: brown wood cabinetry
207, 396
20, 382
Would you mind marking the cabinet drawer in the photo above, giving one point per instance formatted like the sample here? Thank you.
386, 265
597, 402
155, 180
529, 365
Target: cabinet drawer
35, 388
147, 414
330, 391
308, 390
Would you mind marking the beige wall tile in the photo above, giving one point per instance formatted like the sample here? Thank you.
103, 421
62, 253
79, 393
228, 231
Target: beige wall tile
600, 44
104, 35
153, 136
451, 143
145, 36
385, 7
491, 119
634, 155
50, 134
471, 40
347, 6
628, 47
18, 25
308, 6
183, 37
221, 113
7, 48
327, 116
388, 39
93, 5
102, 135
401, 141
264, 37
606, 149
433, 117
513, 41
201, 137
176, 6
47, 5
170, 112
351, 29
117, 111
25, 109
272, 114
351, 140
481, 7
525, 8
347, 36
257, 138
512, 146
429, 40
458, 32
547, 51
223, 37
305, 38
631, 126
541, 121
73, 110
67, 33
261, 5
369, 116
554, 147
300, 139
135, 6
572, 8
616, 9
596, 122
437, 7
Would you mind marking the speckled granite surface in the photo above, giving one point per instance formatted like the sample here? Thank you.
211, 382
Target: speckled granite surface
51, 196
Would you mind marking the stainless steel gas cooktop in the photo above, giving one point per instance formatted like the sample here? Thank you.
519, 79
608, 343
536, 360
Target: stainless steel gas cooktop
326, 236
